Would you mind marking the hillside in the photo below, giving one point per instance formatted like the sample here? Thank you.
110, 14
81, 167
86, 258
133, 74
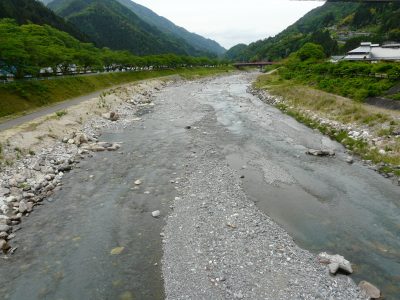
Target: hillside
196, 41
337, 26
31, 11
110, 24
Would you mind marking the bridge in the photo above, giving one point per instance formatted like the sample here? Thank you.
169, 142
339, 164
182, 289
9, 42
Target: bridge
259, 64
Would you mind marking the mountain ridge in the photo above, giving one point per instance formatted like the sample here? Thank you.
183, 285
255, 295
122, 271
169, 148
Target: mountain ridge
337, 26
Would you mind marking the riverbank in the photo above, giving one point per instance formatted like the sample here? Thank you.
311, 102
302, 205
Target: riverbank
369, 132
21, 97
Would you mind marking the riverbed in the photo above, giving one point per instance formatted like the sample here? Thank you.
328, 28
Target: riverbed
96, 238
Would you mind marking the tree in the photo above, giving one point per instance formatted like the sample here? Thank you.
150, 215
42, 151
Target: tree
311, 51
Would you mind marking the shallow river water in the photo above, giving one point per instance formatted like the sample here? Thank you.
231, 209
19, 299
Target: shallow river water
96, 239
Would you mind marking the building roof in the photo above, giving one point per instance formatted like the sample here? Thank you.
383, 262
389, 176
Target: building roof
369, 51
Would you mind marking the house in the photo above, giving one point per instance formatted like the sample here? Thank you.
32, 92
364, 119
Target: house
374, 52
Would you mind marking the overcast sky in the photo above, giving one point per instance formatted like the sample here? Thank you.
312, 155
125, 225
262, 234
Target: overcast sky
230, 22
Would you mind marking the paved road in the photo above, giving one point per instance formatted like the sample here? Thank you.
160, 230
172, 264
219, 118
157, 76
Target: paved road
47, 110
65, 247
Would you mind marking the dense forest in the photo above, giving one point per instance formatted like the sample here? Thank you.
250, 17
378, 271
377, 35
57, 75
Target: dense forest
110, 24
31, 11
337, 26
28, 49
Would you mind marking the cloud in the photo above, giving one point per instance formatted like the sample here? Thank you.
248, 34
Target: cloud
232, 22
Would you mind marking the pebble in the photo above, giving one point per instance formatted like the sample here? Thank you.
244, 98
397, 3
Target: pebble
138, 182
156, 213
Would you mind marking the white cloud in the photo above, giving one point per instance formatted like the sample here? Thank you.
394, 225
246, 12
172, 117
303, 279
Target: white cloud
232, 22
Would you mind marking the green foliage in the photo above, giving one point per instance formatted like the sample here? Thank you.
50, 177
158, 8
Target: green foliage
356, 80
311, 51
25, 49
61, 113
22, 96
31, 11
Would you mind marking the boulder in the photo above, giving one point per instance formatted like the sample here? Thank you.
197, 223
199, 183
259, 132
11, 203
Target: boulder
114, 116
315, 152
371, 291
335, 262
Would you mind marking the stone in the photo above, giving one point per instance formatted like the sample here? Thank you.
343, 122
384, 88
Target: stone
344, 264
114, 116
156, 213
333, 268
138, 182
64, 168
188, 127
81, 138
19, 178
5, 228
71, 141
382, 152
371, 291
350, 160
4, 220
3, 235
4, 191
29, 207
4, 245
22, 207
315, 152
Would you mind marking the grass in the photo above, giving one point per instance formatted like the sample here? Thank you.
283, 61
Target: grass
300, 101
17, 98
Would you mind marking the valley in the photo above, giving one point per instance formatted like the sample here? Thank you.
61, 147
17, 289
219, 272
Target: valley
140, 159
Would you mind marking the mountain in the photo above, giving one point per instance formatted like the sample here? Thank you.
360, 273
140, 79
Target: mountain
337, 26
31, 11
110, 24
196, 41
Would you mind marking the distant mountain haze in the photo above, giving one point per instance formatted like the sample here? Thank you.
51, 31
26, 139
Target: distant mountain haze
166, 26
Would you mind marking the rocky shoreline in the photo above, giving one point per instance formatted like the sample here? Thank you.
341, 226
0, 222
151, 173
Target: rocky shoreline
354, 132
35, 176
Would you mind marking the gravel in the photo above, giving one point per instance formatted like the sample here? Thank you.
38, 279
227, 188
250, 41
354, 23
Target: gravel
218, 245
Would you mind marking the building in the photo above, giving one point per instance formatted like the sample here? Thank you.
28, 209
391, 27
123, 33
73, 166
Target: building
374, 52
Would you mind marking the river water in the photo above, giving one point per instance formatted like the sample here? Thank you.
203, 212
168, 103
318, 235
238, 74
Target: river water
96, 239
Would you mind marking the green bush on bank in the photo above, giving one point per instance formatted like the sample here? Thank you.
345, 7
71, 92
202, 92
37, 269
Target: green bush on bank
356, 80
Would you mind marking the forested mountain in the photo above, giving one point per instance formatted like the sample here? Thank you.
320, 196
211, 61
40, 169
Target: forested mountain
110, 24
197, 41
32, 11
337, 26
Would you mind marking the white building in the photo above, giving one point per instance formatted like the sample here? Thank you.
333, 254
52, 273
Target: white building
375, 52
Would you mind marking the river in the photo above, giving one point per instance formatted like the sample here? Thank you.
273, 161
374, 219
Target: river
96, 239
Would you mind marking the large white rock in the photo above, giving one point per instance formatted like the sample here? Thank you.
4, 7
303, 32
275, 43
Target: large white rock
335, 260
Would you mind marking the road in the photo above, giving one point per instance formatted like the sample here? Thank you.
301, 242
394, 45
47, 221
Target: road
96, 239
